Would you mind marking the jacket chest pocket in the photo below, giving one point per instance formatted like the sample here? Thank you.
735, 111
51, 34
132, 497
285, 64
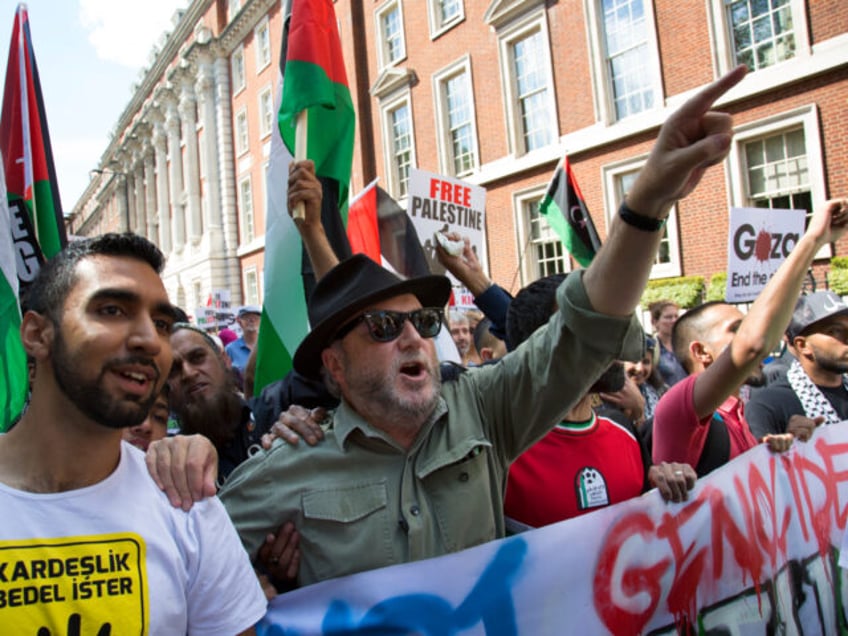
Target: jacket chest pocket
345, 529
461, 494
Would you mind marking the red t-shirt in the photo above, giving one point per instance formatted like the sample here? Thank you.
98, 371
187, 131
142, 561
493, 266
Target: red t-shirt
679, 435
573, 470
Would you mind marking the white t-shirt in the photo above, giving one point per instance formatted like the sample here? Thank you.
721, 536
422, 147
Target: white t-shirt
118, 553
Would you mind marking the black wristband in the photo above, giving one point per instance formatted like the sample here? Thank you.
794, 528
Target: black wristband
640, 222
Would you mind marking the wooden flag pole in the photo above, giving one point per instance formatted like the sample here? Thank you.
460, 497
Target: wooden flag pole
300, 142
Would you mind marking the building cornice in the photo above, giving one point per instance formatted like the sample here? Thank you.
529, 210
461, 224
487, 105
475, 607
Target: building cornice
170, 52
243, 23
501, 12
392, 79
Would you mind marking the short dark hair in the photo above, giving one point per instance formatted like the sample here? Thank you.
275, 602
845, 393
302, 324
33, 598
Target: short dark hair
180, 315
690, 326
54, 281
611, 380
482, 336
531, 308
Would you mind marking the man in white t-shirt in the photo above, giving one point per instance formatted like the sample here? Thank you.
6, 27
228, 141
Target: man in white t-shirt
88, 543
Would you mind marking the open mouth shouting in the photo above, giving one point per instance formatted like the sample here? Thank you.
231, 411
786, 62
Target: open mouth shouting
414, 370
136, 379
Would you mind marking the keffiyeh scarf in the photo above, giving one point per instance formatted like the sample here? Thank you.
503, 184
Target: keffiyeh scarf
812, 399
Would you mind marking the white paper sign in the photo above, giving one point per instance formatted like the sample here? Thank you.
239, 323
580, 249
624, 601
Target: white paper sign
760, 239
439, 203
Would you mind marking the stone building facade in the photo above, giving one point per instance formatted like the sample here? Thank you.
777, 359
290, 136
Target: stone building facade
187, 160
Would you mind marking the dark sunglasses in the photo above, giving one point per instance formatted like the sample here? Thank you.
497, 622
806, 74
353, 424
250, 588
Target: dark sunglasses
385, 325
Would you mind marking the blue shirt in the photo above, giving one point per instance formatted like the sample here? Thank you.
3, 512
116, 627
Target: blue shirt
239, 352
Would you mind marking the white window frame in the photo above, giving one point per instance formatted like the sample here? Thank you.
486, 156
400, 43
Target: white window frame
263, 53
247, 211
238, 54
386, 109
602, 90
249, 297
443, 137
382, 48
506, 39
612, 174
434, 13
242, 132
528, 263
720, 32
265, 100
805, 117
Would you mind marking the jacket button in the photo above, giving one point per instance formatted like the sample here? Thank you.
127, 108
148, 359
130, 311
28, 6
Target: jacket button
463, 476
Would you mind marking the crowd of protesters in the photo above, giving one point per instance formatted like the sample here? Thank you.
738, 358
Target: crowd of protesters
562, 405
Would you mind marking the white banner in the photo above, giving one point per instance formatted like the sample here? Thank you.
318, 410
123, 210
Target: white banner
760, 239
439, 203
753, 551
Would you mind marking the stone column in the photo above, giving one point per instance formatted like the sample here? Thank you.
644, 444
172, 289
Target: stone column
175, 177
162, 187
205, 90
188, 115
121, 192
138, 182
119, 180
150, 193
227, 171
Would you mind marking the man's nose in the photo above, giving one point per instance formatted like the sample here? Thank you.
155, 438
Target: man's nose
145, 336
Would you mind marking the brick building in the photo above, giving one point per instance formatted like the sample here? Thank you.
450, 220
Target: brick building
496, 92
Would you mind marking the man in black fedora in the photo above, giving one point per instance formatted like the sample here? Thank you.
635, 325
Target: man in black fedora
412, 468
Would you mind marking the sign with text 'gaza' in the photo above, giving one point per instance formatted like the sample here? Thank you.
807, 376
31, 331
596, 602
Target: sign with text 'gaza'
438, 203
760, 240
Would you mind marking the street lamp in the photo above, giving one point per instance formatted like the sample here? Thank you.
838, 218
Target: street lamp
126, 215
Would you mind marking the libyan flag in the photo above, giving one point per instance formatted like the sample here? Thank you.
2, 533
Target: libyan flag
31, 221
380, 228
565, 210
313, 79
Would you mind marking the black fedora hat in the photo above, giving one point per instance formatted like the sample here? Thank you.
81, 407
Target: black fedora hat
346, 290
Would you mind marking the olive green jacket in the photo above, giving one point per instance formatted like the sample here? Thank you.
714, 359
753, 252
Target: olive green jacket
359, 501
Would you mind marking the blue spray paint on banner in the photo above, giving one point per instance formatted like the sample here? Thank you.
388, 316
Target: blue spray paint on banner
489, 602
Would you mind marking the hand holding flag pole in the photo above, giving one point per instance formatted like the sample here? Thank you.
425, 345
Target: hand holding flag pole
300, 143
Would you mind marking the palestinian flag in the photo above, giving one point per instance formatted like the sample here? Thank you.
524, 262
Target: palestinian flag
565, 210
32, 223
313, 79
13, 368
380, 228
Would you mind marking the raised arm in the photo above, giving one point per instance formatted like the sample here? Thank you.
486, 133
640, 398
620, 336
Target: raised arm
768, 317
305, 186
465, 265
691, 140
492, 299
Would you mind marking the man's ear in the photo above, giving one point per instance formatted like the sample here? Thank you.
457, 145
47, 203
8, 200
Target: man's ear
37, 334
331, 358
486, 353
700, 353
799, 343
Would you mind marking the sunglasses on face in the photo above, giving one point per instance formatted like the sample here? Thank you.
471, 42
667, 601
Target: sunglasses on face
385, 325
